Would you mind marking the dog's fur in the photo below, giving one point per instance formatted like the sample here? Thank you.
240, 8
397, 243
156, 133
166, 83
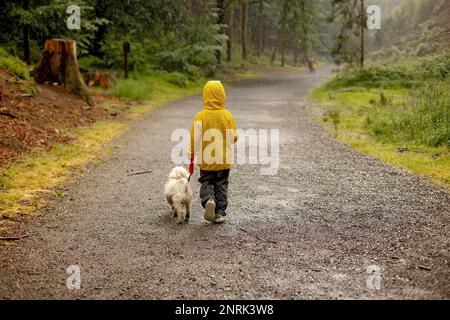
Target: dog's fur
178, 193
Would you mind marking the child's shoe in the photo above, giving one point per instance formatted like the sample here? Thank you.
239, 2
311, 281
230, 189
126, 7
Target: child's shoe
210, 207
219, 218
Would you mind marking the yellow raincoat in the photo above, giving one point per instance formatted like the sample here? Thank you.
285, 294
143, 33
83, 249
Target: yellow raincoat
213, 131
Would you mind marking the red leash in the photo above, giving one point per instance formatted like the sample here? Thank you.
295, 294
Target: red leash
191, 167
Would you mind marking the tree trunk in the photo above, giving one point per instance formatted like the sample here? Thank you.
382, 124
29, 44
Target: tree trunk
274, 55
282, 35
229, 34
26, 35
237, 25
244, 18
283, 45
59, 64
260, 27
362, 34
220, 21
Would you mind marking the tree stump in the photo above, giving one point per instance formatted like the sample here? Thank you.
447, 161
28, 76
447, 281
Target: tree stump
59, 64
103, 79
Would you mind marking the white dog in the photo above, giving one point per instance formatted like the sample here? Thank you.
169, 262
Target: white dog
178, 193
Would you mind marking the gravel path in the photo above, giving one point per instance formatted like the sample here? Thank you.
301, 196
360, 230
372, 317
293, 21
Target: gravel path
310, 231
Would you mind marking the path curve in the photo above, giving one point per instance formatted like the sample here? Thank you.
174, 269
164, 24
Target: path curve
309, 232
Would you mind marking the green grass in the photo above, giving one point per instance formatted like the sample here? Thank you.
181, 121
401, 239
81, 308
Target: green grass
13, 65
60, 193
407, 126
134, 89
423, 118
24, 183
154, 85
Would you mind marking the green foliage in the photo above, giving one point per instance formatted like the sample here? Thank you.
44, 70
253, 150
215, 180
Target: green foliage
425, 119
91, 62
193, 62
374, 76
112, 57
420, 117
404, 132
13, 65
348, 16
172, 61
47, 19
437, 68
178, 79
60, 193
136, 88
426, 49
188, 37
334, 116
394, 76
412, 23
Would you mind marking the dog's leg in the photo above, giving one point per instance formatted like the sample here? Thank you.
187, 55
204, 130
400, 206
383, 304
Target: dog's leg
178, 209
188, 211
170, 201
179, 215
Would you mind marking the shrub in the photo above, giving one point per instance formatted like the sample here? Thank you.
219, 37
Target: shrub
13, 65
374, 77
426, 49
91, 62
437, 68
393, 76
177, 79
172, 61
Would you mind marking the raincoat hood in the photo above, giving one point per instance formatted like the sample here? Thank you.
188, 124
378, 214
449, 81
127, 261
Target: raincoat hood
214, 97
213, 149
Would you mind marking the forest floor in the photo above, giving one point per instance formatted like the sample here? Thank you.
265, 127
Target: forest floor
36, 117
311, 231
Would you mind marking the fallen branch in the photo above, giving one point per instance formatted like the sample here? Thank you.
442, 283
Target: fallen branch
7, 114
425, 268
12, 238
138, 173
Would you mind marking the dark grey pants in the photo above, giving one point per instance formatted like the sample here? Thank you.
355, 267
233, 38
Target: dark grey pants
215, 186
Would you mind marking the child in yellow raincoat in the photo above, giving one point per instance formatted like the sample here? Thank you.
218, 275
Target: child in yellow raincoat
213, 134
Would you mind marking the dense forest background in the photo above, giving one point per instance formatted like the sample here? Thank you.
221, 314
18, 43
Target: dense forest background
197, 37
